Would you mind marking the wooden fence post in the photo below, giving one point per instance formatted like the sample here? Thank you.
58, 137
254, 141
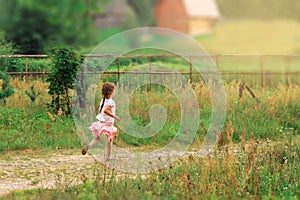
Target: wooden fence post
287, 72
261, 71
82, 102
217, 61
118, 61
150, 68
26, 69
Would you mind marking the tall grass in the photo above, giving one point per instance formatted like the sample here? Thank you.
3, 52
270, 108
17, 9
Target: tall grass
276, 112
25, 129
257, 155
25, 124
29, 125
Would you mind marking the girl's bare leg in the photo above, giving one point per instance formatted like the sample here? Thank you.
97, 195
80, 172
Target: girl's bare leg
94, 141
109, 147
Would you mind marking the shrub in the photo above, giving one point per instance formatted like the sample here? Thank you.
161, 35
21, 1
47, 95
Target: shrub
5, 89
62, 76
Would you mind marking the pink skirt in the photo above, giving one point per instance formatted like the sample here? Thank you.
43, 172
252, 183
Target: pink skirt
98, 128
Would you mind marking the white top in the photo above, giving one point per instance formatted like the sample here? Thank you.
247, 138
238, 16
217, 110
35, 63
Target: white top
104, 117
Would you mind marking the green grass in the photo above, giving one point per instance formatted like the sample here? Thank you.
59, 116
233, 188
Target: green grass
27, 129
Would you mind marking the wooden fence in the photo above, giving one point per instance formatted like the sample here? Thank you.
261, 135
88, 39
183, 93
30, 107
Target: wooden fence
255, 69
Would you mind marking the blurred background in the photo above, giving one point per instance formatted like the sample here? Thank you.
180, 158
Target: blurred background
220, 26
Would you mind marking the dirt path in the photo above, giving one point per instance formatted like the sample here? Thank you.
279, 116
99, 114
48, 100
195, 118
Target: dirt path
23, 170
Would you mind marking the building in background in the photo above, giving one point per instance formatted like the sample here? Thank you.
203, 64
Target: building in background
187, 16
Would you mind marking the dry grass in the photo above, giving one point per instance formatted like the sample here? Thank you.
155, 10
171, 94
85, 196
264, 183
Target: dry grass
21, 100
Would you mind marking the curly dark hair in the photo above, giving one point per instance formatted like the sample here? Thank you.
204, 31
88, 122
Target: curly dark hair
107, 90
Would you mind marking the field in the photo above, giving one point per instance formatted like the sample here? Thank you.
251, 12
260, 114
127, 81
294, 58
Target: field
255, 157
253, 37
237, 167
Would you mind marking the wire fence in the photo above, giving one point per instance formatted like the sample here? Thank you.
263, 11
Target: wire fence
256, 70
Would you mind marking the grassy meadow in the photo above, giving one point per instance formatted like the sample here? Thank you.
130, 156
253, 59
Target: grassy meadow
256, 157
257, 154
27, 124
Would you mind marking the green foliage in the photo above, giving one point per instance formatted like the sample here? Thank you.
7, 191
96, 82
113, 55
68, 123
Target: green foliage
67, 22
34, 128
6, 48
5, 89
34, 64
29, 31
7, 10
32, 94
62, 76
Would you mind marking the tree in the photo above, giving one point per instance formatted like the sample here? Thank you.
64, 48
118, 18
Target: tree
62, 76
67, 22
7, 12
29, 31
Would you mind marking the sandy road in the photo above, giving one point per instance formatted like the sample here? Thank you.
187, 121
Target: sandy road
42, 170
25, 170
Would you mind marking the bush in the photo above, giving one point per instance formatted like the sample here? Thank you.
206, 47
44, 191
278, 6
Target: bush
6, 90
62, 76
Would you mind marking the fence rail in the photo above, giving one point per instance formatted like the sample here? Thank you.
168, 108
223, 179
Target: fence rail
262, 69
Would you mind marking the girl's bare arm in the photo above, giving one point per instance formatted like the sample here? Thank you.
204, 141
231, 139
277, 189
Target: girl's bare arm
107, 110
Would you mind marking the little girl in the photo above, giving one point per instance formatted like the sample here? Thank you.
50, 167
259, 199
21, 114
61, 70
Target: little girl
106, 117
